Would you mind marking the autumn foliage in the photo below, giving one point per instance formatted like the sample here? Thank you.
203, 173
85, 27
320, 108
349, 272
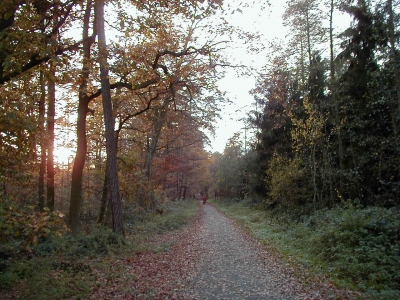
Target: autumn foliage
150, 80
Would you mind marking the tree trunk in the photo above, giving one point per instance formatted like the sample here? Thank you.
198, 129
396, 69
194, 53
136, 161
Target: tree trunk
77, 169
42, 166
104, 198
334, 97
314, 175
303, 71
79, 162
104, 204
159, 121
332, 54
51, 111
109, 122
308, 39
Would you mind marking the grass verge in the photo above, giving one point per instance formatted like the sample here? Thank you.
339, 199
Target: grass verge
356, 248
70, 267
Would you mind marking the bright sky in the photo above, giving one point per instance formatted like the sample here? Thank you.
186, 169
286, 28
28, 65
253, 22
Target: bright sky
268, 22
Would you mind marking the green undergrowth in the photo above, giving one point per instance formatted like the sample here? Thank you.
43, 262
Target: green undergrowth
67, 267
358, 248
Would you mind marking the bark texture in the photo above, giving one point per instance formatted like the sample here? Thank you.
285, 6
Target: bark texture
109, 123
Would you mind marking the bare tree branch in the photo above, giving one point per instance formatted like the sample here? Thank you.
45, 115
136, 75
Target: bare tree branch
129, 86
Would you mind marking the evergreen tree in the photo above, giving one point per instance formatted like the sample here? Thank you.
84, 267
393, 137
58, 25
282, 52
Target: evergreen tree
370, 159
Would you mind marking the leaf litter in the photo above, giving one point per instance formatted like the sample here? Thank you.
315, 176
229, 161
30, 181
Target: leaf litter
211, 258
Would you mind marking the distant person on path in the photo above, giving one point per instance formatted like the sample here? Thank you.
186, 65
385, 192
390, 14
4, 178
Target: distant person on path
204, 199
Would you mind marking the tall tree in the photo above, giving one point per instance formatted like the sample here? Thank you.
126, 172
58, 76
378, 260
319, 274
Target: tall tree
274, 100
109, 123
149, 74
394, 58
83, 103
304, 17
333, 88
366, 109
42, 141
18, 131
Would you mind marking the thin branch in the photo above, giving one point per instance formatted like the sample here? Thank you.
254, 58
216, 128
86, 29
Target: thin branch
62, 21
129, 86
129, 116
188, 51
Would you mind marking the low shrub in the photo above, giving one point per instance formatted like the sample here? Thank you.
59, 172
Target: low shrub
41, 278
62, 255
24, 223
360, 245
101, 241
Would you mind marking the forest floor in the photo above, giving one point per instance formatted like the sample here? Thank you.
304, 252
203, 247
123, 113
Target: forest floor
212, 258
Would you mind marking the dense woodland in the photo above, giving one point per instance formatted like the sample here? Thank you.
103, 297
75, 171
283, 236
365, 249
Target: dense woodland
324, 162
138, 103
137, 100
327, 114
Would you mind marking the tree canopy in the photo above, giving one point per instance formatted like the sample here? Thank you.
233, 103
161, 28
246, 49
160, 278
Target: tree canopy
141, 94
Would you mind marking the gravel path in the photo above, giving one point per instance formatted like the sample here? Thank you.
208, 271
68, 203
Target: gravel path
232, 267
211, 258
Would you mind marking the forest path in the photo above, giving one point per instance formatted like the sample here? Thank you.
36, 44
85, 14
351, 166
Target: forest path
210, 258
234, 266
